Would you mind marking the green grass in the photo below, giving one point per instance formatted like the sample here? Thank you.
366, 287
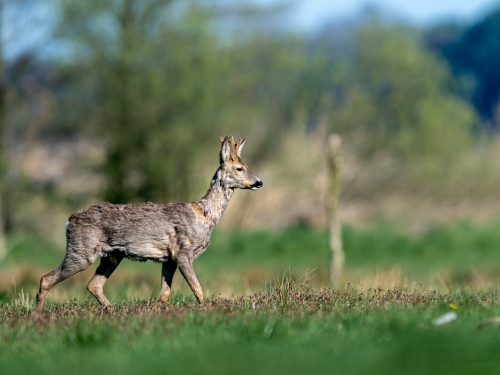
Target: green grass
347, 331
283, 327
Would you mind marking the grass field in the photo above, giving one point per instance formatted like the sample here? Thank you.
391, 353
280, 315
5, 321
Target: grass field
255, 321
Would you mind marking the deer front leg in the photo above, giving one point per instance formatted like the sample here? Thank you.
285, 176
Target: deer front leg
186, 267
167, 275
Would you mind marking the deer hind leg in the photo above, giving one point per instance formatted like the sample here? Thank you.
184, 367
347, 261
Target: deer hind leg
167, 274
69, 266
186, 268
102, 274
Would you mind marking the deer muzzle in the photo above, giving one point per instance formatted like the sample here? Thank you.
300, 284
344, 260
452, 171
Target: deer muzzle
257, 185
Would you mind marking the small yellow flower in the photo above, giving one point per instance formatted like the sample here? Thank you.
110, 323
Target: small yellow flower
453, 306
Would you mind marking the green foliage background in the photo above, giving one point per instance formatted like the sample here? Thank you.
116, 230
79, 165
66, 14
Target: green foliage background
155, 83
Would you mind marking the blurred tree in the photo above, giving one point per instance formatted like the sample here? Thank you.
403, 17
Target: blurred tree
157, 79
9, 28
3, 159
151, 69
401, 99
473, 52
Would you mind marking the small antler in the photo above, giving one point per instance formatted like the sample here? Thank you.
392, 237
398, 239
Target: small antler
230, 148
239, 146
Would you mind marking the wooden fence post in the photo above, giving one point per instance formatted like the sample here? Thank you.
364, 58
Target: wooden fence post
334, 227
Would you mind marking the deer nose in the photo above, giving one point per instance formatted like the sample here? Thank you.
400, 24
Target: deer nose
257, 185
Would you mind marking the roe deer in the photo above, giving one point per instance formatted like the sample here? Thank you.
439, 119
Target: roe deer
173, 234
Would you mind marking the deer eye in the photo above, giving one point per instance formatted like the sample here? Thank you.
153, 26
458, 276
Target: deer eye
239, 169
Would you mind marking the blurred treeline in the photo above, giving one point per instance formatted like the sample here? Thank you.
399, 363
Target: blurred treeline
124, 101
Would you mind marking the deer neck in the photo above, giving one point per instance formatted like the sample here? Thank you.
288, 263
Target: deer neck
215, 201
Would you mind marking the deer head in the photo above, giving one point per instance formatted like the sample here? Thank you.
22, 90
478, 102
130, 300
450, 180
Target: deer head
235, 173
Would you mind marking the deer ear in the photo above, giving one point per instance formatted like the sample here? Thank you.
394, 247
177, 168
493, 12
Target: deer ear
241, 143
221, 139
225, 151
